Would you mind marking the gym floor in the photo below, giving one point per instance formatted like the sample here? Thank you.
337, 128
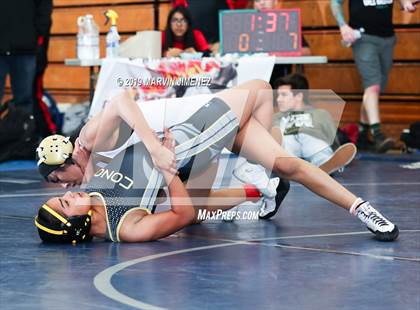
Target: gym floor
312, 255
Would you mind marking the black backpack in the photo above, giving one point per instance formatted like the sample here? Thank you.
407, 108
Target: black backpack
18, 139
411, 137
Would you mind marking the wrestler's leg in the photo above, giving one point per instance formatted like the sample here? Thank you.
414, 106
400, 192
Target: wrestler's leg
253, 98
205, 198
255, 143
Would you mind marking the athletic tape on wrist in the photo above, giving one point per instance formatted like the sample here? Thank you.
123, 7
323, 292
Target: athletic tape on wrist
251, 192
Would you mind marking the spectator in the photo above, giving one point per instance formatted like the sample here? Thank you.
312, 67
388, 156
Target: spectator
305, 131
47, 116
22, 28
180, 37
205, 16
373, 54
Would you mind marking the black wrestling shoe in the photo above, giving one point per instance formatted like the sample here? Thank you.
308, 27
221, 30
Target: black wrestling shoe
363, 143
272, 205
383, 229
382, 144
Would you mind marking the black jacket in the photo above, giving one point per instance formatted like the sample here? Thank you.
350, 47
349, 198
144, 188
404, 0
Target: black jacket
22, 22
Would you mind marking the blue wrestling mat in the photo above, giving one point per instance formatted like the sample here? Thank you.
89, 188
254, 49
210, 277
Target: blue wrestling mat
312, 255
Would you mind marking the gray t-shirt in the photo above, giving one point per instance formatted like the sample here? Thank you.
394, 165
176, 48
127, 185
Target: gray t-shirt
315, 122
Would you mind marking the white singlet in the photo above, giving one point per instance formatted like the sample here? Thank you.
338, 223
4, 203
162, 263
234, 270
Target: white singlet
163, 113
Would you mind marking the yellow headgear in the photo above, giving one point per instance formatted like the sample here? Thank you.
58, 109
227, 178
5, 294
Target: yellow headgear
52, 227
52, 153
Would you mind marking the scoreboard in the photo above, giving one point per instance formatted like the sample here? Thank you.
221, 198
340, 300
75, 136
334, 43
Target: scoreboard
267, 31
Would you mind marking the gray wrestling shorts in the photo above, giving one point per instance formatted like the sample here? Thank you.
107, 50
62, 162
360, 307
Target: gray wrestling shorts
373, 57
202, 137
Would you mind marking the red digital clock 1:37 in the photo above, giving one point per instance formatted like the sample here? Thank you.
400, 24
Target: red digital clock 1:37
251, 31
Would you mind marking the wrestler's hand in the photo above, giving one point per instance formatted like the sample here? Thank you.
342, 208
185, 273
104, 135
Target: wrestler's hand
81, 155
169, 143
169, 140
163, 157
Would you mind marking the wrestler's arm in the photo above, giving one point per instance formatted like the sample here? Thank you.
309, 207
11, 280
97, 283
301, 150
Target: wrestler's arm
156, 226
159, 225
96, 137
101, 132
102, 129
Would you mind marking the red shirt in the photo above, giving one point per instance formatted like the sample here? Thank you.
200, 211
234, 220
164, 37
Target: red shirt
237, 4
232, 4
200, 45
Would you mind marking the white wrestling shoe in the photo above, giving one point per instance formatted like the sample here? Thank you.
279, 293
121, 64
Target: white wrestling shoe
268, 206
257, 176
258, 205
231, 219
272, 205
383, 229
